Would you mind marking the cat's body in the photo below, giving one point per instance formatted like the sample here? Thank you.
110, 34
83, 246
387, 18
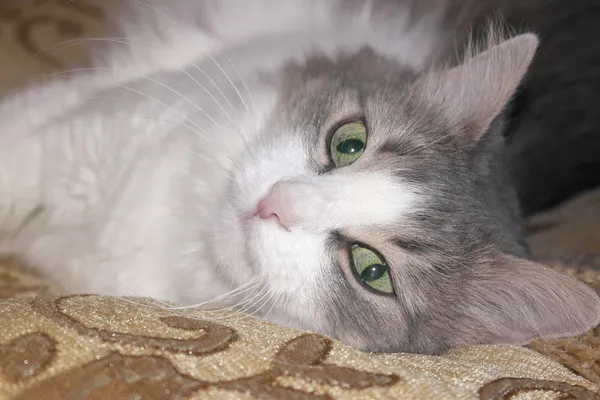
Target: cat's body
187, 174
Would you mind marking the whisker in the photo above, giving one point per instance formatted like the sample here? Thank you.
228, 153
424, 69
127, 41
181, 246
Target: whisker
252, 284
246, 311
71, 71
235, 292
247, 305
242, 79
242, 305
427, 145
274, 302
208, 92
142, 301
72, 42
158, 119
445, 255
237, 127
215, 85
188, 123
156, 10
192, 130
267, 301
167, 306
256, 290
186, 99
171, 20
200, 129
195, 128
232, 84
233, 123
122, 40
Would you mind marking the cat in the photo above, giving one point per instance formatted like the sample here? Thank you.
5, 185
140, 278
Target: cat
320, 162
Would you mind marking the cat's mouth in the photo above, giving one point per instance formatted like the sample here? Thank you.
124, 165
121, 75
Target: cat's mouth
274, 219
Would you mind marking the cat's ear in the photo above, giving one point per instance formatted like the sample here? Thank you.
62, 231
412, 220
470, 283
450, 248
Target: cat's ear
474, 93
514, 301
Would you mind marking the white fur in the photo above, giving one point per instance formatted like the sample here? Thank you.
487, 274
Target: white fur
117, 181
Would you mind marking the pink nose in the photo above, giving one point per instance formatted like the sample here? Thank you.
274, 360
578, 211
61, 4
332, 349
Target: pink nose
273, 206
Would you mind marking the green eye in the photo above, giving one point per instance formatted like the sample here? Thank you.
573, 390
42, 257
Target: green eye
372, 270
348, 143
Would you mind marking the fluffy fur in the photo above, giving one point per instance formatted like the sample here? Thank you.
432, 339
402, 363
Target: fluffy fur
144, 177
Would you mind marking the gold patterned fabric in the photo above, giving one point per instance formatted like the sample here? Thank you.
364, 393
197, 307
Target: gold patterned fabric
40, 37
58, 347
90, 347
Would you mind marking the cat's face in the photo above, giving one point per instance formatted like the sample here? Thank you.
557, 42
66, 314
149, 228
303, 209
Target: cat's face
370, 209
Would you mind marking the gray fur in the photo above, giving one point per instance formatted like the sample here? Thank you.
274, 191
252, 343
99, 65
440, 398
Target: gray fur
459, 263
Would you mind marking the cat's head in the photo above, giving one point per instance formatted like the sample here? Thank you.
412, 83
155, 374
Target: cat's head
374, 208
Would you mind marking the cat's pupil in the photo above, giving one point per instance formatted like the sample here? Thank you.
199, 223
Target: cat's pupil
350, 146
373, 272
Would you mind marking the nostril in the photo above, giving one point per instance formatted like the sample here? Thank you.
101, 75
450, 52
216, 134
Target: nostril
265, 209
262, 209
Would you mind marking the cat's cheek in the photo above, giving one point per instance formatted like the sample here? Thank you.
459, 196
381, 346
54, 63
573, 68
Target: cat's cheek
229, 248
290, 262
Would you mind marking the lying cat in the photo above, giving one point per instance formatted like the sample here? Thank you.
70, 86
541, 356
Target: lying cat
317, 161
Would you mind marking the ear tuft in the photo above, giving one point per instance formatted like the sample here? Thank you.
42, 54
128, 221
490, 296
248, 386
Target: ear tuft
474, 93
514, 301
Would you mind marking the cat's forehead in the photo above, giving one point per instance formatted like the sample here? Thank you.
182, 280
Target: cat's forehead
319, 77
324, 92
